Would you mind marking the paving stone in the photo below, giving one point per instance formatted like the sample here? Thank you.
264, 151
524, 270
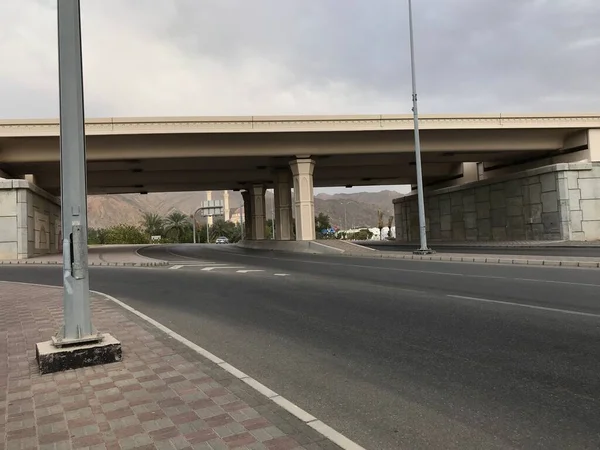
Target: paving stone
161, 396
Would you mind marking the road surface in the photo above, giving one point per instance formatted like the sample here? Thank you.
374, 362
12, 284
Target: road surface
393, 354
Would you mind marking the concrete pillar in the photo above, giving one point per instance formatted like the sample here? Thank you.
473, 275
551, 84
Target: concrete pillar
594, 144
283, 205
304, 200
470, 172
226, 212
258, 212
247, 218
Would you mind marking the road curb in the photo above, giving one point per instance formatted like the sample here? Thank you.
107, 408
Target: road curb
25, 262
482, 260
308, 419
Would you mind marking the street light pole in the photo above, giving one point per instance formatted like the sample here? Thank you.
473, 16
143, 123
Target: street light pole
77, 317
420, 195
273, 217
194, 223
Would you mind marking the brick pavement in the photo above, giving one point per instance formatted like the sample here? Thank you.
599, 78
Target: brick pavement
104, 255
162, 395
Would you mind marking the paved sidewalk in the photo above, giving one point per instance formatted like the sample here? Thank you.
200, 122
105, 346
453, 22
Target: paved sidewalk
109, 255
162, 395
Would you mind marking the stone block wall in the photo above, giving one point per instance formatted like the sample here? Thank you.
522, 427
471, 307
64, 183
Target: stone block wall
557, 202
29, 221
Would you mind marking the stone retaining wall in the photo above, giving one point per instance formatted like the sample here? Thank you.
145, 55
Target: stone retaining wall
29, 221
557, 202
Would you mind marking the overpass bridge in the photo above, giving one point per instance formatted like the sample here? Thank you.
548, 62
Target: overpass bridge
161, 154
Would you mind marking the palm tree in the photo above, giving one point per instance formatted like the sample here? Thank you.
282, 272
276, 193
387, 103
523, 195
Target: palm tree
177, 224
153, 224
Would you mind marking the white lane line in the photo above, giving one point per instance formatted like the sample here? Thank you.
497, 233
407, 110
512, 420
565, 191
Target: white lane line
521, 305
205, 265
185, 263
209, 269
247, 271
558, 282
281, 274
179, 266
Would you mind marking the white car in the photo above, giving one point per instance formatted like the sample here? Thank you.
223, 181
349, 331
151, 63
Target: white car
222, 240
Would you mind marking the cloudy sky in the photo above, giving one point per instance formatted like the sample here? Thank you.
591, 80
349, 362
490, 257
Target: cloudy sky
252, 57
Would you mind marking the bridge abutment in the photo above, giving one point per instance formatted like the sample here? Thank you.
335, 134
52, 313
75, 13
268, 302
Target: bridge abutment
556, 202
30, 223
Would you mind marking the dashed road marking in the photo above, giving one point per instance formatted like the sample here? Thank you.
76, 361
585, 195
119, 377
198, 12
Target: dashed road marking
281, 274
211, 268
247, 271
179, 266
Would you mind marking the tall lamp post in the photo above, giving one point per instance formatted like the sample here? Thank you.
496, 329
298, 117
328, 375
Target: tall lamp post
84, 345
73, 192
194, 223
423, 250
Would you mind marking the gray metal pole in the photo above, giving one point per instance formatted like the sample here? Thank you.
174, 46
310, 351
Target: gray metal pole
345, 216
420, 195
194, 223
242, 221
77, 316
194, 228
273, 216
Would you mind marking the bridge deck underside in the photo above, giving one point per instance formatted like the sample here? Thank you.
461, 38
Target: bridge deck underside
170, 163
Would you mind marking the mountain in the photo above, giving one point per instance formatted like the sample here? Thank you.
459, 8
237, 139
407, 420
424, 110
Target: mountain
345, 210
108, 210
357, 209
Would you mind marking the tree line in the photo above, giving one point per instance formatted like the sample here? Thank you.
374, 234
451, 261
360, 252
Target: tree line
175, 228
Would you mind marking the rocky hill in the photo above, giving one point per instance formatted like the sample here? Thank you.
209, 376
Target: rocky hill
345, 210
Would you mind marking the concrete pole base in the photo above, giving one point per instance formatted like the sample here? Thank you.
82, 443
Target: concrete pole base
56, 359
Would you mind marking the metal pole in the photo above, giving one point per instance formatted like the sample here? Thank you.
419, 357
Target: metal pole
345, 217
273, 215
420, 195
242, 221
77, 316
194, 228
207, 231
194, 222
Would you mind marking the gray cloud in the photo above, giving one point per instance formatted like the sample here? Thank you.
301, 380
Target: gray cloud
325, 56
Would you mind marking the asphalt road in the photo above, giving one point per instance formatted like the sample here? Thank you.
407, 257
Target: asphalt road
394, 354
581, 251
